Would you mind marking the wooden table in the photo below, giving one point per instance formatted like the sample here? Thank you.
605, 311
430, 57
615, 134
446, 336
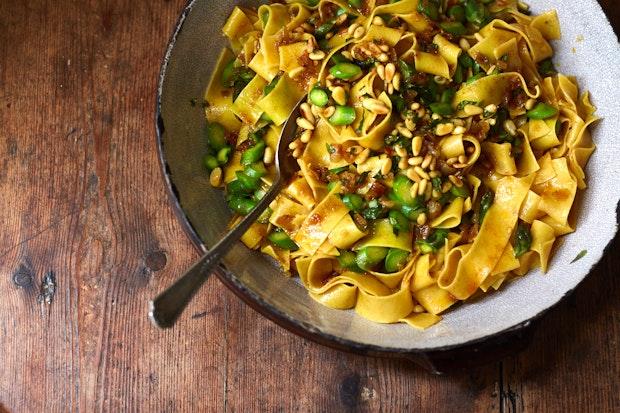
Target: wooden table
87, 237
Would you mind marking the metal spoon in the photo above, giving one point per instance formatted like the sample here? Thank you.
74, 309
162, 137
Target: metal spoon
166, 308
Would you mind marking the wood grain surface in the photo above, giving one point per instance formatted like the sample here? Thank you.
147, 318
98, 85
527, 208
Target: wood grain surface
88, 236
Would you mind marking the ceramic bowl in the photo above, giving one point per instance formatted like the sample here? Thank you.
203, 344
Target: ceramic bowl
589, 50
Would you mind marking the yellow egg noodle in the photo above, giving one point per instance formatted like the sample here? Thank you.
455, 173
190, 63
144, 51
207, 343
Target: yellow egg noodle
439, 150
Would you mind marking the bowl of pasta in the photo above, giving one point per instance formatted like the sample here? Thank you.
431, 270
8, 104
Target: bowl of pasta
457, 161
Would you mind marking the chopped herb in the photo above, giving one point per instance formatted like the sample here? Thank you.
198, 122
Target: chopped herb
485, 205
434, 242
523, 240
464, 103
580, 256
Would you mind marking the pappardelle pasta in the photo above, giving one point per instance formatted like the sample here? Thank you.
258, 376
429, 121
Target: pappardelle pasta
439, 150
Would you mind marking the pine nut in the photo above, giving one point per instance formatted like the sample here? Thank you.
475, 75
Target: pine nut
352, 28
403, 163
387, 166
444, 129
294, 144
409, 124
305, 136
305, 124
384, 48
455, 181
427, 161
416, 145
459, 130
422, 187
362, 157
400, 151
375, 106
329, 111
529, 105
378, 21
446, 186
347, 54
359, 32
339, 95
510, 127
396, 81
492, 108
421, 172
390, 88
421, 219
491, 70
268, 156
317, 55
492, 121
381, 71
440, 80
215, 178
316, 111
472, 110
383, 58
411, 174
306, 111
416, 161
464, 44
405, 132
297, 153
415, 106
390, 70
415, 188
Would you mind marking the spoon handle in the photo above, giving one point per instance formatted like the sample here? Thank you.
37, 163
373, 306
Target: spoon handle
166, 308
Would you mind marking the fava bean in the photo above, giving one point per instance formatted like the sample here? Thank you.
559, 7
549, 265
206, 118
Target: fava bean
395, 260
542, 111
343, 115
319, 97
345, 71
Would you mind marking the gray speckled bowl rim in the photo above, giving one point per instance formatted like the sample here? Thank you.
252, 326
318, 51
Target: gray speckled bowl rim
294, 325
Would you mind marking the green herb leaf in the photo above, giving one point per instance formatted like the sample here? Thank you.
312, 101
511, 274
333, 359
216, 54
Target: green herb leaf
580, 256
523, 240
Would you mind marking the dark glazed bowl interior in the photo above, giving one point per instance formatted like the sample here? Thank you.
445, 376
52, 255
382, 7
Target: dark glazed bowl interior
189, 61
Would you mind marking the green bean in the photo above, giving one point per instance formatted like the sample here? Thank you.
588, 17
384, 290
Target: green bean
256, 170
440, 108
429, 8
457, 13
448, 96
338, 58
227, 74
485, 204
473, 78
401, 188
455, 28
249, 183
236, 188
523, 240
281, 240
353, 202
346, 259
395, 260
542, 111
216, 135
264, 217
253, 154
270, 86
223, 155
369, 257
345, 71
475, 12
210, 162
466, 60
343, 115
318, 96
259, 194
323, 29
355, 3
241, 205
434, 242
399, 221
459, 191
458, 74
